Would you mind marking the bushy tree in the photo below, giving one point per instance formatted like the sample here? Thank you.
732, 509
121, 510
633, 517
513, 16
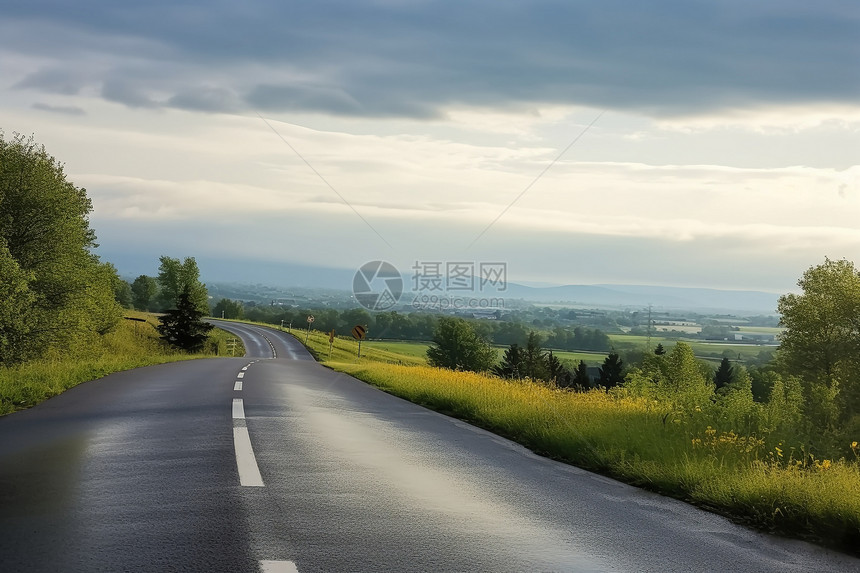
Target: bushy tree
174, 277
182, 326
685, 382
122, 293
821, 341
16, 301
226, 308
676, 378
143, 291
59, 292
458, 347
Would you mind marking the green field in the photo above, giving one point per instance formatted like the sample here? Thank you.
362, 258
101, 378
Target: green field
711, 351
406, 348
418, 350
706, 350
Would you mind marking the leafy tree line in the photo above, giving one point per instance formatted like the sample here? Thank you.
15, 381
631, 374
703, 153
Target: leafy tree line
394, 325
55, 294
808, 396
162, 292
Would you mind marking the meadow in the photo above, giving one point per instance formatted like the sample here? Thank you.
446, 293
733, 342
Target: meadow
131, 344
701, 456
710, 351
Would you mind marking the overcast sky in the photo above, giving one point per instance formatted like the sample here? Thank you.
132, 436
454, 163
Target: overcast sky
711, 144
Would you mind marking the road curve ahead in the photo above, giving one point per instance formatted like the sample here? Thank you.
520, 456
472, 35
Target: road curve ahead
273, 463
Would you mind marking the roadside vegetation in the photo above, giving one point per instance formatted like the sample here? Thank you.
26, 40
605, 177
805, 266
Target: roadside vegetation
131, 344
783, 458
62, 310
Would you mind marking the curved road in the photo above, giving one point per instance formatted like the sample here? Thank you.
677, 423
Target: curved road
273, 463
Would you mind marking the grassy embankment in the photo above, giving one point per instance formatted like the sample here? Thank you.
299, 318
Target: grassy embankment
697, 457
131, 345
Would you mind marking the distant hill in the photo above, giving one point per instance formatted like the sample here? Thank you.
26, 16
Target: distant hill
280, 276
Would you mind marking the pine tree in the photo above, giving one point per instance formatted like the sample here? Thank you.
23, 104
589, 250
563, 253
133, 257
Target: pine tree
612, 371
534, 359
182, 326
556, 371
511, 363
581, 379
724, 375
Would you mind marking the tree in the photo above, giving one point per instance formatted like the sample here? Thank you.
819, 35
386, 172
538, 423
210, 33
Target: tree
612, 371
45, 243
174, 277
534, 363
511, 363
16, 299
122, 294
143, 291
458, 347
556, 372
821, 341
581, 379
659, 351
182, 326
724, 375
684, 382
227, 308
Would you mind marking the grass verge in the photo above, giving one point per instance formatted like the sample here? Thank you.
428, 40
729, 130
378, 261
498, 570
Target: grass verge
131, 345
635, 440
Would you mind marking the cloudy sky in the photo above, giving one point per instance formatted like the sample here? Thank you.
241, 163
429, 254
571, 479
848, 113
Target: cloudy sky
675, 142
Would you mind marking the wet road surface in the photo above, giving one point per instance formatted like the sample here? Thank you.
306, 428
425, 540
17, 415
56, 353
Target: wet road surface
271, 462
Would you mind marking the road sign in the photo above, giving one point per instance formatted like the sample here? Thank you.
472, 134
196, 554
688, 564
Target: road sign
358, 332
310, 318
331, 336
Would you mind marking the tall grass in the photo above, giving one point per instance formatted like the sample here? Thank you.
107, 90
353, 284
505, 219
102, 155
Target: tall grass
638, 440
131, 345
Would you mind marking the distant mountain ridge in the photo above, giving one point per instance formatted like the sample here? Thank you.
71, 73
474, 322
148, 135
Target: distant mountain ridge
290, 276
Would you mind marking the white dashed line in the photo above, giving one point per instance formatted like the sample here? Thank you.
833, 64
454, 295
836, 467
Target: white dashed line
238, 409
240, 375
237, 386
249, 472
278, 567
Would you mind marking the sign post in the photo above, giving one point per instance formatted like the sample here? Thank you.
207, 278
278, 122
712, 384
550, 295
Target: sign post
359, 332
330, 342
310, 321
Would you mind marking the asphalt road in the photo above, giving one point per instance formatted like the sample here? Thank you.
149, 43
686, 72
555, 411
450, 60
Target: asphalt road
274, 463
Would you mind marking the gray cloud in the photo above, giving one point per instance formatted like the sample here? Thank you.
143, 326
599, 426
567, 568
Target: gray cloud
411, 59
52, 80
63, 109
205, 99
126, 93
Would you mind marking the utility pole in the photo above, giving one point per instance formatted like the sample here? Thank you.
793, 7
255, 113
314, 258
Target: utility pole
649, 328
